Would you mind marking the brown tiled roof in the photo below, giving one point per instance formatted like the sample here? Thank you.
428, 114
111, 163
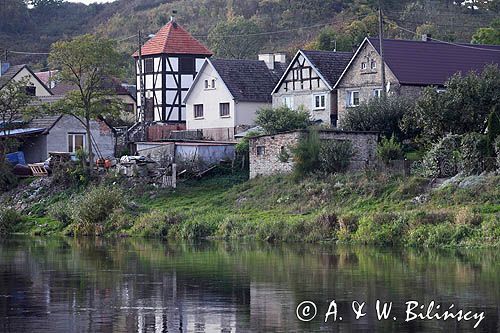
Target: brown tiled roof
173, 39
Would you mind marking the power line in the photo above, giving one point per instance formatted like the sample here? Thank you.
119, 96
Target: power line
445, 42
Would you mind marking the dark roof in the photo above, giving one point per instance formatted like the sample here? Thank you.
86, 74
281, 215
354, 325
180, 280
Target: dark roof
330, 64
9, 74
173, 39
45, 122
433, 62
248, 80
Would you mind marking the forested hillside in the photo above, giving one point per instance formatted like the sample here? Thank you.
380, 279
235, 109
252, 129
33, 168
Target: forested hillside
234, 28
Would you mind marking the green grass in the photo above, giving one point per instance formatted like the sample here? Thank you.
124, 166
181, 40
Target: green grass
354, 208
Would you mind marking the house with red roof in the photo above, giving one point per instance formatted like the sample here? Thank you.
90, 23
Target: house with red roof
410, 66
170, 62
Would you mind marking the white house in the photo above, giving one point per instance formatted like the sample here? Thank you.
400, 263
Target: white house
309, 82
226, 94
34, 87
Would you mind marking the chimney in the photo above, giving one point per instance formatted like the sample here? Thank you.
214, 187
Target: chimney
426, 37
271, 58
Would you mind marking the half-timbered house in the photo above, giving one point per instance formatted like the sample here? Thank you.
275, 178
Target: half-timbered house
308, 83
170, 61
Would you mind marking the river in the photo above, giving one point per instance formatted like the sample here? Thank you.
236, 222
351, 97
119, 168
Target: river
137, 285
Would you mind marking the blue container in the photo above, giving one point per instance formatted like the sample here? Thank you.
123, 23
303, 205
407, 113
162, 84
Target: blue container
16, 158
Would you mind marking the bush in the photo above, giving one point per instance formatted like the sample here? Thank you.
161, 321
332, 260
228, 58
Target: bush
306, 154
497, 151
474, 150
7, 179
156, 223
282, 119
381, 229
466, 216
389, 150
61, 211
379, 114
8, 219
443, 159
335, 155
92, 209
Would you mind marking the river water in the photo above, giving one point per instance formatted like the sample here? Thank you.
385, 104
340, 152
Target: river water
137, 285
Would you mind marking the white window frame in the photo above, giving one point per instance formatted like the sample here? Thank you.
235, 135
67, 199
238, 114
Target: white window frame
350, 98
73, 147
363, 66
373, 64
288, 104
213, 83
322, 101
228, 115
206, 85
377, 92
202, 111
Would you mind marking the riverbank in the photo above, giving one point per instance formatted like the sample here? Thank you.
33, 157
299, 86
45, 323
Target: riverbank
355, 208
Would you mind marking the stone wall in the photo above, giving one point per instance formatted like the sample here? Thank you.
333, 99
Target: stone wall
265, 151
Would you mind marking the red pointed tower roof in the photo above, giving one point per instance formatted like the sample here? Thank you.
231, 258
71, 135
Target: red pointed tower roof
173, 39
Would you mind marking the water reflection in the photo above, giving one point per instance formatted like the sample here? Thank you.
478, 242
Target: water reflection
135, 285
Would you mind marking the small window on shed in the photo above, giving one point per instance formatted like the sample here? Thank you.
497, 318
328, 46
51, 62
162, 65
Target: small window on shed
261, 150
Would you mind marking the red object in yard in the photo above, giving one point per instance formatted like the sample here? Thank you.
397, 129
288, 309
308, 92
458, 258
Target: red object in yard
107, 164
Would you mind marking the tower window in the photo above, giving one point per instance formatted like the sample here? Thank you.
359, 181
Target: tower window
187, 65
149, 66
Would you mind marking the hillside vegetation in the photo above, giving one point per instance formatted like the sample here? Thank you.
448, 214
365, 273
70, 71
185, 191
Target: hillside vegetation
283, 25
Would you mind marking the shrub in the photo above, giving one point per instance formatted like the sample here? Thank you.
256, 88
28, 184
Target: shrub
61, 211
497, 151
306, 154
379, 114
282, 119
493, 129
381, 229
156, 223
443, 159
466, 216
474, 150
335, 155
389, 150
8, 219
91, 209
7, 179
431, 217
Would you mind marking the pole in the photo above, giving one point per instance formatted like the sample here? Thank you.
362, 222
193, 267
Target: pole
381, 46
141, 81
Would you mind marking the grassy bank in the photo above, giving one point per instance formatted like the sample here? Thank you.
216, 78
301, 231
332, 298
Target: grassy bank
363, 208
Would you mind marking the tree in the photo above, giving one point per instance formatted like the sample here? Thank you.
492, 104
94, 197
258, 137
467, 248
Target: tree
488, 35
236, 38
463, 107
282, 119
86, 62
14, 106
380, 115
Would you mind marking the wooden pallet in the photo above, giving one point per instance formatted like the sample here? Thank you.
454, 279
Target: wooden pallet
38, 170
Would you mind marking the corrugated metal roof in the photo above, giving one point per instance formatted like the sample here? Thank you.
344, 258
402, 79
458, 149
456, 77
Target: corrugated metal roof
21, 132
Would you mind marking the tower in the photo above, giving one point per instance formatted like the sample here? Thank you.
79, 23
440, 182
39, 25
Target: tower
170, 61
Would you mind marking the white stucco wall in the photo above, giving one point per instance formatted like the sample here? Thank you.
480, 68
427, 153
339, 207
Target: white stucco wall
303, 96
40, 89
246, 112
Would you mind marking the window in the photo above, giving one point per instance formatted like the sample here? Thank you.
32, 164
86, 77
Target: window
31, 90
377, 92
186, 65
373, 64
363, 65
149, 65
213, 83
353, 98
288, 101
209, 84
261, 150
198, 110
224, 109
76, 141
319, 102
206, 84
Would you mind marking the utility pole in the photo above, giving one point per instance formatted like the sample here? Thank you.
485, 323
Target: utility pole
381, 47
141, 81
